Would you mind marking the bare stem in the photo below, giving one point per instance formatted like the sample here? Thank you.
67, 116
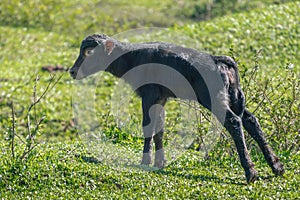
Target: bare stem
13, 130
31, 134
254, 72
27, 151
264, 97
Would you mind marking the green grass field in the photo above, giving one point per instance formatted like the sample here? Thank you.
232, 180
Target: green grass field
48, 159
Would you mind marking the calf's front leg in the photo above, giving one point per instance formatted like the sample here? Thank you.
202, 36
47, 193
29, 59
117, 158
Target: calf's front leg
153, 125
158, 137
147, 151
148, 135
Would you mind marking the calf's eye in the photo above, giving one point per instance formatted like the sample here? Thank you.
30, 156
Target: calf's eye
89, 52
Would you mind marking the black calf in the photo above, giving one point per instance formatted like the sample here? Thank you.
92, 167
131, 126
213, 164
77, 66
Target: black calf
213, 80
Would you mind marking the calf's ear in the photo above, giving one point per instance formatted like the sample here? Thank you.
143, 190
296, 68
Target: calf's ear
109, 46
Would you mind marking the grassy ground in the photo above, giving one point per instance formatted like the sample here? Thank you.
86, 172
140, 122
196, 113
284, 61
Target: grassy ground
66, 171
265, 41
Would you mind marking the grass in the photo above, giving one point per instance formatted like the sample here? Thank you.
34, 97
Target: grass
79, 18
263, 40
67, 170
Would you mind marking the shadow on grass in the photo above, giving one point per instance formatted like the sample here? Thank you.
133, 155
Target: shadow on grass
203, 177
230, 179
179, 173
175, 172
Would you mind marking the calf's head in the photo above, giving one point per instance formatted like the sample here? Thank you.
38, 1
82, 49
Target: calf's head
95, 55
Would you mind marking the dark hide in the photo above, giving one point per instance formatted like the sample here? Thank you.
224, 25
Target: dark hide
201, 70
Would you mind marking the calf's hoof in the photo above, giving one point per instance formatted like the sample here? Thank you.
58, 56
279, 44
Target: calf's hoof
147, 159
251, 176
160, 160
278, 169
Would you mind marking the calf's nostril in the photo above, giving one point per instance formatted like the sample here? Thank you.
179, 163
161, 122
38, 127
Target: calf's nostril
72, 72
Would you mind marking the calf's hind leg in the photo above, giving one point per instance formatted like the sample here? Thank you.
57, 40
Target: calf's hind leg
148, 134
234, 126
252, 126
